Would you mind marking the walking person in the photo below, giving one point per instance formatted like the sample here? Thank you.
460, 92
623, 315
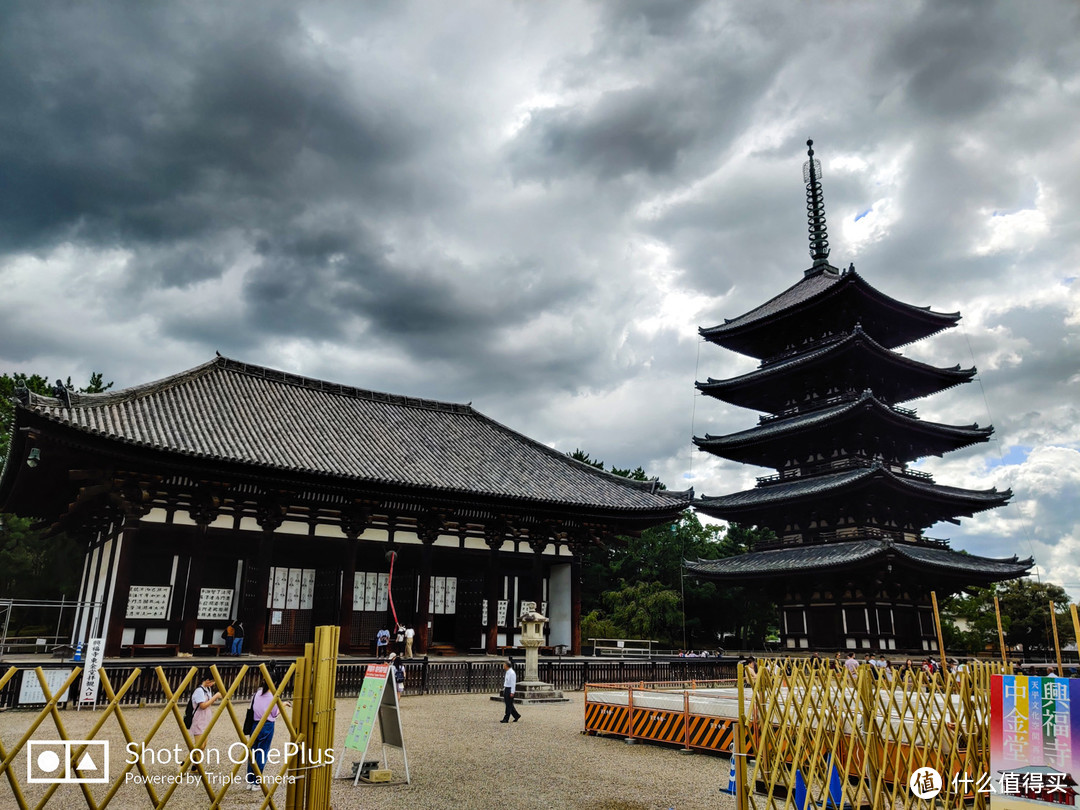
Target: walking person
509, 687
399, 640
238, 638
382, 641
260, 746
227, 636
410, 634
399, 673
204, 698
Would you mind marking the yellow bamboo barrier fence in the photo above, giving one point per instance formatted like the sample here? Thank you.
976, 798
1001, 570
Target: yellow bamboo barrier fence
818, 736
309, 725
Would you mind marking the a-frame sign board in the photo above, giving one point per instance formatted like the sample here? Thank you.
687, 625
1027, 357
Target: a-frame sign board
378, 698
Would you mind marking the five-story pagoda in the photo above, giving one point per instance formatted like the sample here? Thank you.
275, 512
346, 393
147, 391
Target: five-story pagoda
851, 568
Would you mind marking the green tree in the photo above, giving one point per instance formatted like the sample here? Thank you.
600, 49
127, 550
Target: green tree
33, 564
656, 557
969, 623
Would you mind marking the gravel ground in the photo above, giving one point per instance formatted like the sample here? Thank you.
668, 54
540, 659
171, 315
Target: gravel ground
460, 756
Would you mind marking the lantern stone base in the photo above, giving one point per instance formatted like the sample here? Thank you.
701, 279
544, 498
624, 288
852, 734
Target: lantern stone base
533, 692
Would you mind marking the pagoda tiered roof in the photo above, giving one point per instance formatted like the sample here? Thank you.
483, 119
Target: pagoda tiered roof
874, 554
262, 422
827, 300
775, 440
877, 489
852, 362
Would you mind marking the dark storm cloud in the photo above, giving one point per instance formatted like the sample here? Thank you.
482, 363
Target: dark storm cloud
534, 206
126, 124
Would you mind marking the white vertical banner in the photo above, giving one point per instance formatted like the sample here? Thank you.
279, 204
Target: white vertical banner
307, 589
281, 587
440, 594
358, 590
503, 604
381, 602
370, 596
483, 613
451, 595
95, 654
292, 601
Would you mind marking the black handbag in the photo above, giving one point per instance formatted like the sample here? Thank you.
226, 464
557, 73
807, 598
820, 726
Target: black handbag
249, 719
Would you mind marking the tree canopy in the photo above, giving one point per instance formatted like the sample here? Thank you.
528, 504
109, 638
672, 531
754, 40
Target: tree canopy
969, 623
636, 587
34, 565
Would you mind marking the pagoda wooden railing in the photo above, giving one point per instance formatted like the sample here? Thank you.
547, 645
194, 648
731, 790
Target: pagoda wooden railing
854, 535
828, 402
838, 465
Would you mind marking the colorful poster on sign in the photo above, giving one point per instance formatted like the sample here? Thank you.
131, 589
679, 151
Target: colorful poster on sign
367, 707
1033, 725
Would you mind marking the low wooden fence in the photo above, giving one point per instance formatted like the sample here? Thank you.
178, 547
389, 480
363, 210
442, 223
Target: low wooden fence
421, 677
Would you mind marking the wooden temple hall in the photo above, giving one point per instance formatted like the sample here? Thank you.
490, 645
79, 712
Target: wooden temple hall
232, 491
851, 567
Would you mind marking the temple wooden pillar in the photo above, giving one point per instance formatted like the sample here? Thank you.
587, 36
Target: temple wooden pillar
575, 604
269, 514
348, 576
204, 509
428, 529
494, 536
193, 590
423, 629
125, 561
354, 520
536, 578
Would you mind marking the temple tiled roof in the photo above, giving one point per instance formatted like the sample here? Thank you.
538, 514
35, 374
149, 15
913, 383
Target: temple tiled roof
825, 557
909, 378
782, 431
819, 485
805, 290
228, 411
822, 289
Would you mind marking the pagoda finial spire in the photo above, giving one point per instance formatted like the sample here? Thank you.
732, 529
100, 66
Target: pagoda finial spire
815, 209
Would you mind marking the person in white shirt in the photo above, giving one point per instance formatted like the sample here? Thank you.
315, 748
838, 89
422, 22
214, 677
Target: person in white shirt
509, 687
409, 635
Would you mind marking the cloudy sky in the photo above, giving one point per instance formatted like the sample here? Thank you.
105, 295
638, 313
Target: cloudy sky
534, 206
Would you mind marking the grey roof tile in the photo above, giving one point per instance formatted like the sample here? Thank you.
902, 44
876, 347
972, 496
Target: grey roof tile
226, 410
834, 556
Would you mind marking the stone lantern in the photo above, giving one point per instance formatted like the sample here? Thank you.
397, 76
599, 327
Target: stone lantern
531, 689
532, 637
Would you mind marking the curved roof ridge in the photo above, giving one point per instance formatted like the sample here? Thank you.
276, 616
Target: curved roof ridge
651, 485
252, 370
834, 345
799, 421
810, 288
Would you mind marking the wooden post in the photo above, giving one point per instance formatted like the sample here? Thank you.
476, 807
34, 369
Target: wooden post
193, 590
493, 590
575, 605
940, 638
348, 577
1076, 623
1001, 633
121, 584
423, 630
259, 580
1057, 643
